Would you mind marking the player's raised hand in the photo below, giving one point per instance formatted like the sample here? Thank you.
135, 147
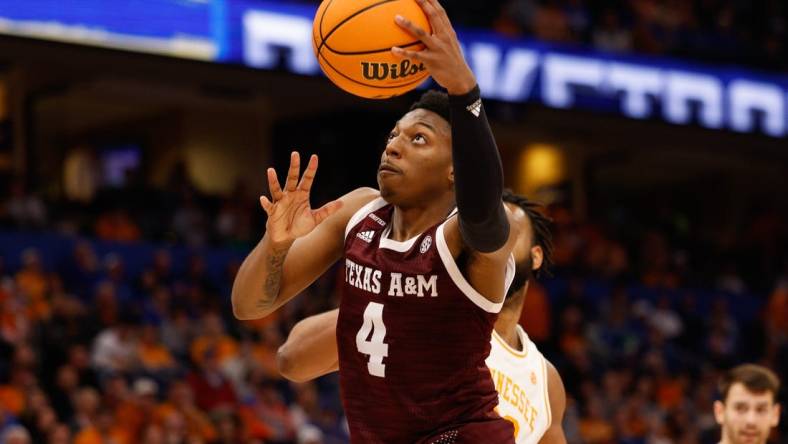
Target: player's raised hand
290, 215
442, 55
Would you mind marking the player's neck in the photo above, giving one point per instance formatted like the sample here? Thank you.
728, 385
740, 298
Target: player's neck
411, 221
509, 335
508, 318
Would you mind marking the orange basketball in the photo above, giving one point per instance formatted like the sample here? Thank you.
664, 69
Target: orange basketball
352, 40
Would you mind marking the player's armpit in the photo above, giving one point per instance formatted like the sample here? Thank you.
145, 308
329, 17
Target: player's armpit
310, 350
557, 395
300, 265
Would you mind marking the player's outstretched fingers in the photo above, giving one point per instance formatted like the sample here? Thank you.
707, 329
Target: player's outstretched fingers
309, 175
293, 172
273, 185
268, 207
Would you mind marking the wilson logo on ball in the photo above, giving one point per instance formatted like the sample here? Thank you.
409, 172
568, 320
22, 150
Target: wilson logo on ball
383, 71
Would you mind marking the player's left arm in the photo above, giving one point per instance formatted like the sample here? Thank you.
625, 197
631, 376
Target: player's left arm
310, 350
557, 396
482, 227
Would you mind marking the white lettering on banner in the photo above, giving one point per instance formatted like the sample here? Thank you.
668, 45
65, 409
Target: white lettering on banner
484, 59
265, 33
682, 88
638, 83
510, 72
519, 73
746, 96
561, 72
507, 77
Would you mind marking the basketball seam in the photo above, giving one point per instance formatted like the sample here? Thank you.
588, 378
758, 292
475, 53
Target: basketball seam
347, 19
320, 26
372, 51
365, 84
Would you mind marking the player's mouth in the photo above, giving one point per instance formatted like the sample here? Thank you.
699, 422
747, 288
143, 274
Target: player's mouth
749, 436
387, 168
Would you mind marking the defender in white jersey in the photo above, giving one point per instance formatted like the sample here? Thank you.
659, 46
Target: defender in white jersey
530, 391
521, 378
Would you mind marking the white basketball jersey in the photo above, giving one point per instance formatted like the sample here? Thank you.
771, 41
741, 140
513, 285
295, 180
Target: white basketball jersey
520, 377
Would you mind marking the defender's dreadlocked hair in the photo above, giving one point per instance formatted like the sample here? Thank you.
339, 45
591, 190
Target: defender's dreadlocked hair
435, 101
543, 237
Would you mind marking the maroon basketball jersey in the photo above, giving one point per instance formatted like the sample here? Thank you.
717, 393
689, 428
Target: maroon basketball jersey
413, 336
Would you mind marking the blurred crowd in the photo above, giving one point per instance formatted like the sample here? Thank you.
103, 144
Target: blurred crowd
726, 31
90, 353
125, 339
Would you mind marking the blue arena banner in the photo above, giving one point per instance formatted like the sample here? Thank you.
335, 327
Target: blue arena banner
265, 34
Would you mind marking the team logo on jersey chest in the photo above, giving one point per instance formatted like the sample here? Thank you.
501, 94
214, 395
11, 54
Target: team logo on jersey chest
425, 244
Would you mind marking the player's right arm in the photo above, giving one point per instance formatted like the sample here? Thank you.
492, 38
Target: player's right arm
310, 350
299, 243
482, 227
557, 396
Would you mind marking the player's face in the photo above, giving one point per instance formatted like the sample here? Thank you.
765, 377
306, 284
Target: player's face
527, 256
416, 164
746, 417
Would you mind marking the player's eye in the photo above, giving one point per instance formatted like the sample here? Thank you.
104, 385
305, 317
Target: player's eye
391, 136
419, 139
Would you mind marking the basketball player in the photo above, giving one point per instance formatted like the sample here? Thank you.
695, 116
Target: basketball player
747, 410
424, 284
530, 391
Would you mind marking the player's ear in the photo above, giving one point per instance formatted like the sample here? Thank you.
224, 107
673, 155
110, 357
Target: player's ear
719, 412
451, 174
775, 415
537, 257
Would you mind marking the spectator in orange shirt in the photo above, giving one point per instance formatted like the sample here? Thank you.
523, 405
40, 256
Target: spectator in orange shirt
119, 400
214, 337
263, 352
155, 359
104, 431
180, 403
86, 406
33, 282
13, 395
267, 416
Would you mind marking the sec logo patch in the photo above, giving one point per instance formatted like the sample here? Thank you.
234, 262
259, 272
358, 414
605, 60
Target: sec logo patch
425, 244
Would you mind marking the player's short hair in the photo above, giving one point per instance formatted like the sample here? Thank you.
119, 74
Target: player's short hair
755, 378
541, 227
435, 101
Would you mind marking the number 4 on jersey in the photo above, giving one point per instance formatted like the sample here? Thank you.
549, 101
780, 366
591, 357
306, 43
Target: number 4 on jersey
374, 347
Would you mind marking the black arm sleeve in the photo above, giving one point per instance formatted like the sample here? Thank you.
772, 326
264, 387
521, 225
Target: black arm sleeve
478, 175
